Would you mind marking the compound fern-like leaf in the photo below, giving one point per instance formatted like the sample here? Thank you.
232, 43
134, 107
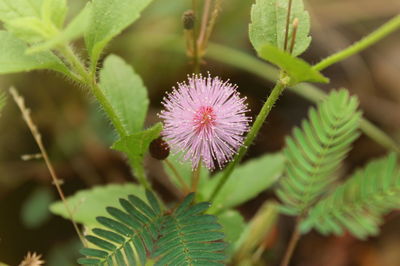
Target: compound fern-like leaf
316, 150
184, 236
128, 236
190, 237
359, 203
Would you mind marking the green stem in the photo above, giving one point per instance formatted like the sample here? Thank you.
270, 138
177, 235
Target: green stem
89, 80
380, 33
308, 91
265, 110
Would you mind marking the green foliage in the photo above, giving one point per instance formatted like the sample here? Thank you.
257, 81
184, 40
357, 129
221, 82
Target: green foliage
268, 25
247, 181
316, 150
35, 210
13, 58
296, 68
108, 19
126, 93
72, 31
33, 20
135, 147
87, 204
183, 236
359, 204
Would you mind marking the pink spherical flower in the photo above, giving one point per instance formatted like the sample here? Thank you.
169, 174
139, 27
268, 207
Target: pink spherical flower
205, 118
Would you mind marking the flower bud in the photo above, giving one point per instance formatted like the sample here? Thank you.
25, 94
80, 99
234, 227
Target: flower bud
188, 20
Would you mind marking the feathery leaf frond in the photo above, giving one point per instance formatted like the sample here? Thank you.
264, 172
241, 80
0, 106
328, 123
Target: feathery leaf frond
184, 236
359, 203
316, 150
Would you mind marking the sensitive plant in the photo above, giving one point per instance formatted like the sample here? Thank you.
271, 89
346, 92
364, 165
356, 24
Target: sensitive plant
204, 121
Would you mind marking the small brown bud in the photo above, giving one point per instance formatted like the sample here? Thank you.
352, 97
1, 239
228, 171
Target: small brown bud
159, 149
188, 20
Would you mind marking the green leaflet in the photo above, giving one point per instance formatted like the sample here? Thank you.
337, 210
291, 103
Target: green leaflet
33, 20
136, 145
35, 210
13, 58
108, 19
87, 204
126, 93
73, 30
298, 69
316, 150
268, 25
358, 204
247, 181
136, 230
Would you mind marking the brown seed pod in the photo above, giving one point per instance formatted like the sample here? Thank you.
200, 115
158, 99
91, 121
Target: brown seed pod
188, 20
159, 149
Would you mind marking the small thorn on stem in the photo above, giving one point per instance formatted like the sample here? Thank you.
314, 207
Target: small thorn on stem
287, 25
294, 32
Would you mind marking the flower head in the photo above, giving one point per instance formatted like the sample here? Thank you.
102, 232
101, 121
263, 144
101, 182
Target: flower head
205, 118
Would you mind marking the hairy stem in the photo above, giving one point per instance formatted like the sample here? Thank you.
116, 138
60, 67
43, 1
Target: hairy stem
38, 139
372, 38
265, 110
211, 24
196, 54
90, 82
294, 239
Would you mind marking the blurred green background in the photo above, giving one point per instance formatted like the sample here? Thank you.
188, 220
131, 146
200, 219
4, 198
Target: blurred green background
78, 136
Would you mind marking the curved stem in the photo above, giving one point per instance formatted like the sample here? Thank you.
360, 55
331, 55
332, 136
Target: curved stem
377, 35
308, 91
90, 81
265, 110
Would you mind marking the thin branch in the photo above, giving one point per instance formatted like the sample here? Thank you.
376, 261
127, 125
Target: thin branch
293, 41
204, 22
185, 187
294, 239
38, 138
287, 25
211, 24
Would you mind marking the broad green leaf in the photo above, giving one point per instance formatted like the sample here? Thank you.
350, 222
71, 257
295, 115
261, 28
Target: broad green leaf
246, 182
296, 68
87, 204
233, 226
109, 18
33, 20
73, 30
54, 11
126, 93
268, 25
13, 58
35, 210
136, 145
